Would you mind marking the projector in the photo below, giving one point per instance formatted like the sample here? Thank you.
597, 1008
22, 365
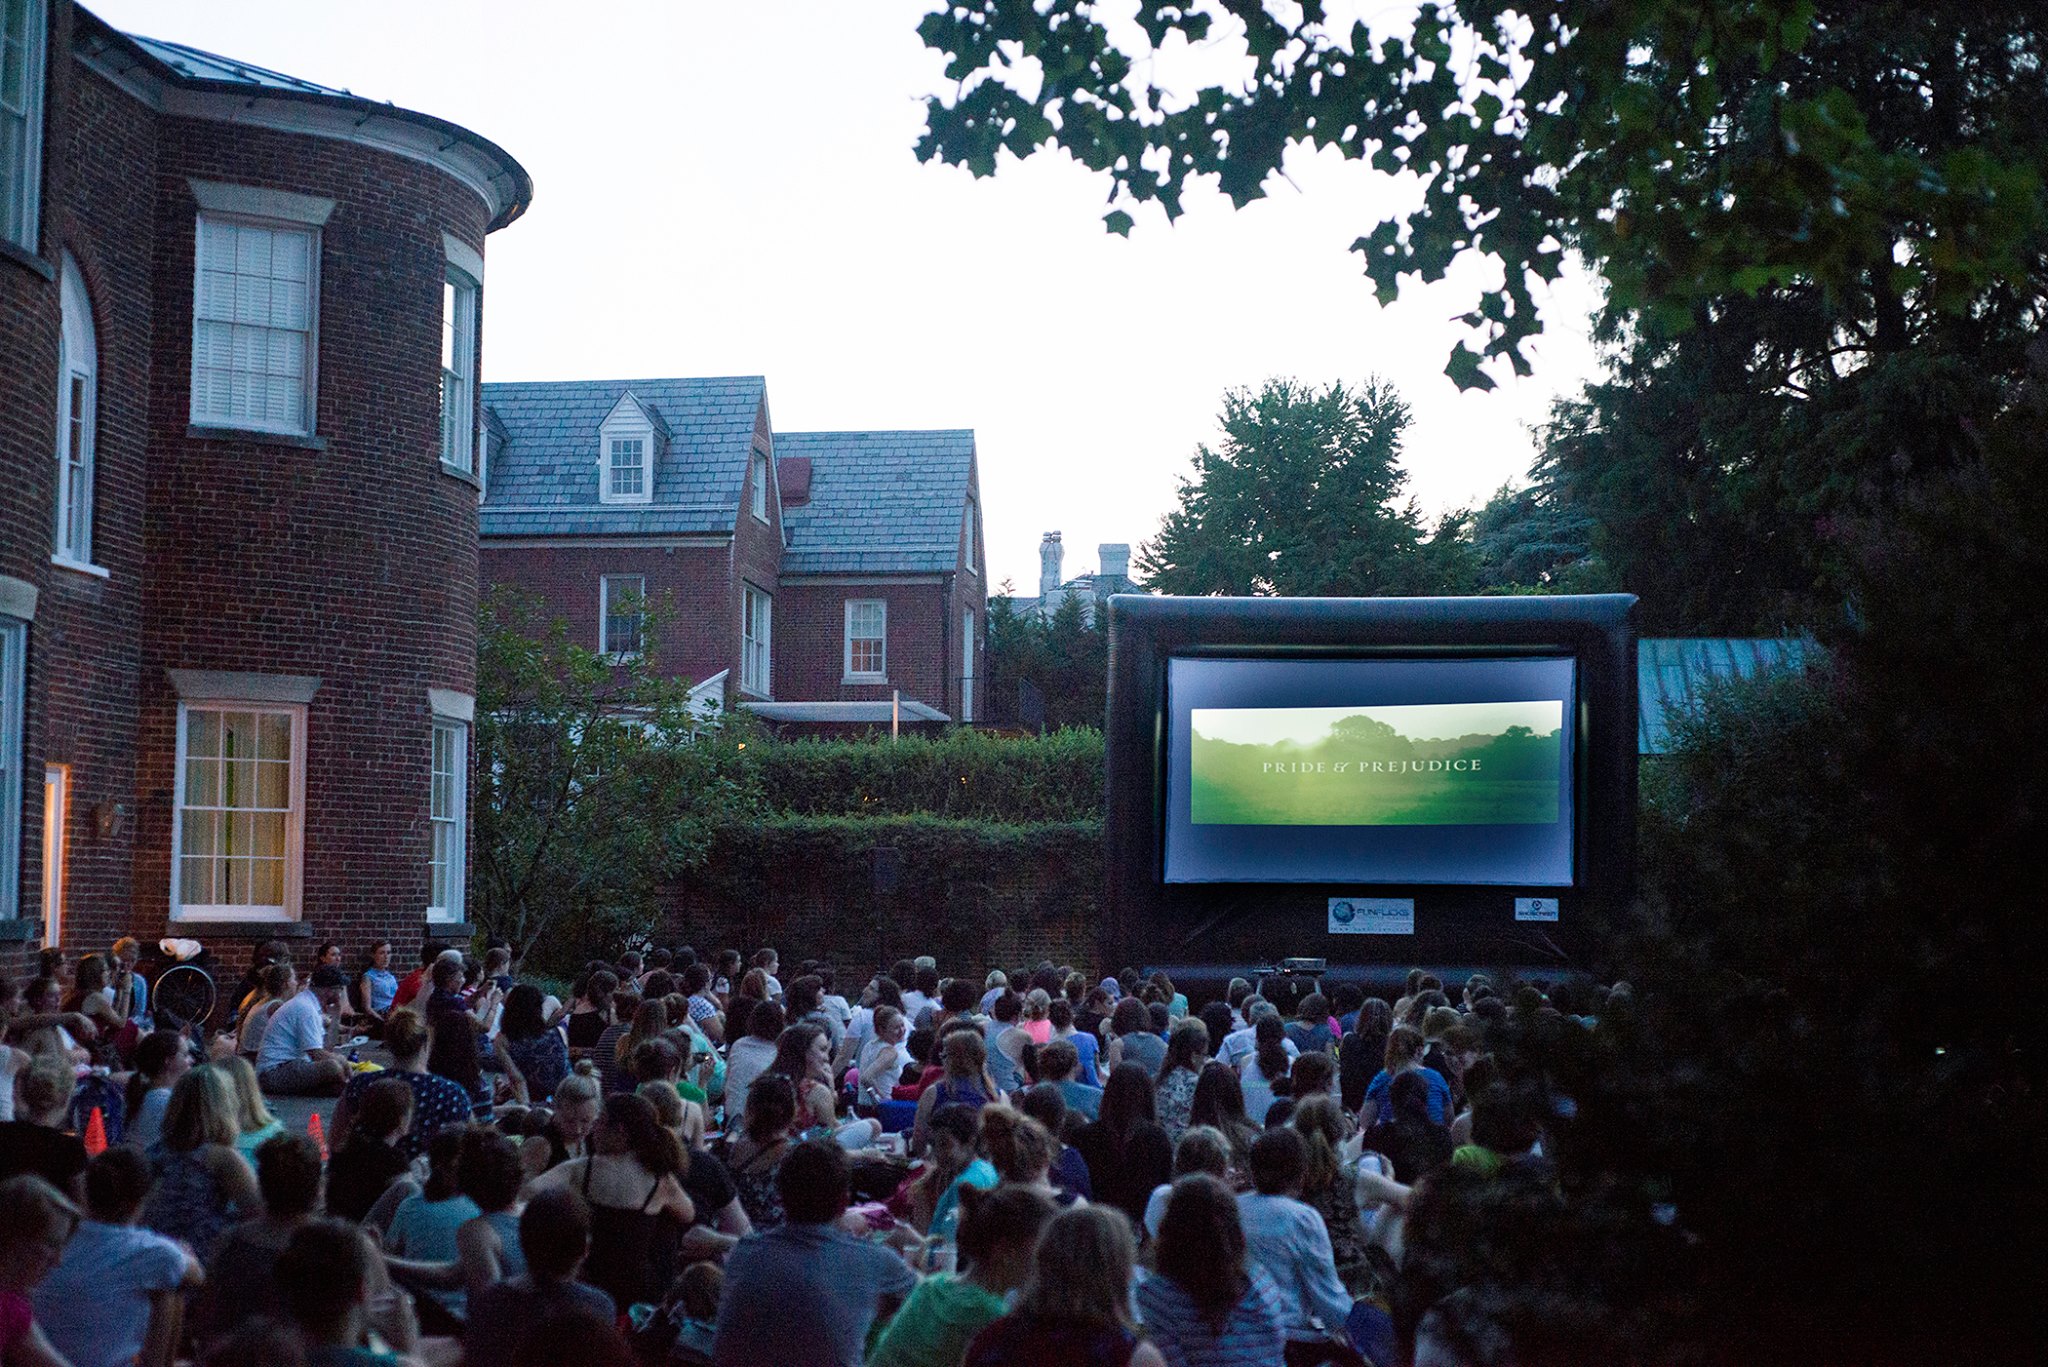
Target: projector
1304, 965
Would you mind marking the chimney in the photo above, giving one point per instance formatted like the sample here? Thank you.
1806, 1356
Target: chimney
1116, 560
1050, 553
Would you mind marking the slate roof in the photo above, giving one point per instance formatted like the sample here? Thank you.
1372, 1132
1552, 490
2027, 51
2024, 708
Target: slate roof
543, 479
190, 62
881, 502
1674, 673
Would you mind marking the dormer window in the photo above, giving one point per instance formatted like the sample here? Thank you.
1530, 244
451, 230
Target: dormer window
626, 447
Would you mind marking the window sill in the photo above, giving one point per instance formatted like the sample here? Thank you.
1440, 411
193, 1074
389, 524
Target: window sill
82, 567
450, 930
250, 928
256, 437
20, 929
22, 256
866, 680
454, 471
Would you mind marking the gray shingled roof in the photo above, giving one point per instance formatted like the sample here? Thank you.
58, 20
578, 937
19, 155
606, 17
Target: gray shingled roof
543, 481
881, 502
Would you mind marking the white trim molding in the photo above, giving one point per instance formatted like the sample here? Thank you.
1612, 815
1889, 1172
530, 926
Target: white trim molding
222, 685
450, 705
17, 598
254, 201
463, 257
856, 580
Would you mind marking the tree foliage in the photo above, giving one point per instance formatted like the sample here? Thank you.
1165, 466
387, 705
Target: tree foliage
1303, 499
595, 783
1058, 664
1688, 151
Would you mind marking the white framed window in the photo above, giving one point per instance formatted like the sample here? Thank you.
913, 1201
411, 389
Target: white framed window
867, 639
626, 469
622, 616
757, 610
238, 812
77, 421
22, 40
760, 485
13, 681
449, 812
255, 334
967, 645
458, 371
625, 452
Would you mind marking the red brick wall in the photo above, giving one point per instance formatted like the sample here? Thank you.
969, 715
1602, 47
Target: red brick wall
689, 584
812, 635
356, 563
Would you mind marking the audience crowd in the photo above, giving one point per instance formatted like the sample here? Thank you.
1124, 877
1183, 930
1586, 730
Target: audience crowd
683, 1159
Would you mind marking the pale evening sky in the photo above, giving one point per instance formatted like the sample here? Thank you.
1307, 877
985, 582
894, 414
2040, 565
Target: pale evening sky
728, 188
1427, 721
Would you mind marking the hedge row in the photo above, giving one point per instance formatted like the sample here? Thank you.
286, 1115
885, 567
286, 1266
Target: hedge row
964, 776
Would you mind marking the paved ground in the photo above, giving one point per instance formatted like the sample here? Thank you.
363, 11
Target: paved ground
296, 1111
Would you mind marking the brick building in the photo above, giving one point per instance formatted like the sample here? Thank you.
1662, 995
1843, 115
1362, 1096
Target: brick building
818, 579
239, 321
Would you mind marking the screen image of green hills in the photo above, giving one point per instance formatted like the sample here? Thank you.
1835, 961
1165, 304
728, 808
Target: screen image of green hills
1438, 764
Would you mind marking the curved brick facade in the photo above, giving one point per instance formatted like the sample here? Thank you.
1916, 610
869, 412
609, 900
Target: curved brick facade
350, 557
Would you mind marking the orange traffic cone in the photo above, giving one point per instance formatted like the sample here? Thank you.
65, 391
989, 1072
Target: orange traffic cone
95, 1134
319, 1133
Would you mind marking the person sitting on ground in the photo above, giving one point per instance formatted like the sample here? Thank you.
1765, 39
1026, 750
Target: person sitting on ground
554, 1238
1086, 1046
965, 1060
1404, 1054
1242, 1043
1187, 1050
997, 984
957, 1164
294, 1059
1200, 1150
1022, 1152
1058, 1063
1288, 1240
1413, 1143
1127, 1150
882, 1059
1328, 1181
1502, 1131
1267, 1069
36, 1225
999, 1232
36, 1140
241, 1274
704, 1009
922, 996
416, 982
371, 1157
1206, 1302
536, 1049
437, 1101
564, 1133
614, 1054
1365, 1044
456, 1026
161, 1058
1075, 1307
806, 1293
1313, 1074
592, 1013
129, 989
721, 1220
92, 996
488, 1172
752, 1055
1044, 1104
376, 987
1219, 1104
1132, 1039
658, 1068
1008, 1044
277, 984
633, 1180
96, 1306
328, 1276
1310, 1028
805, 1004
202, 1183
423, 1228
754, 1155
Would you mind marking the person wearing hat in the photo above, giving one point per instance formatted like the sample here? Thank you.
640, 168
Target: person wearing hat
294, 1059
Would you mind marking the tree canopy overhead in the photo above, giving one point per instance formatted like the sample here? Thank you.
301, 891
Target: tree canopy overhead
1876, 150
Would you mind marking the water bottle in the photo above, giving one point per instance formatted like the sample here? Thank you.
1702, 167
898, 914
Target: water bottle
355, 1056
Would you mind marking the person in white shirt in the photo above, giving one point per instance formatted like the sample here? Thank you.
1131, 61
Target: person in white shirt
750, 1056
1240, 1045
294, 1059
1286, 1237
95, 1307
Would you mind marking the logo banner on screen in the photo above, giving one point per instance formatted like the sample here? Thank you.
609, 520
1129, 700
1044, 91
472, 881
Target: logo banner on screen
1372, 916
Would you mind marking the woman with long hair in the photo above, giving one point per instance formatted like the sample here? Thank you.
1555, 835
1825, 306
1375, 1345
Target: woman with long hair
1219, 1104
91, 997
1206, 1302
1268, 1065
1404, 1054
252, 1117
633, 1181
1327, 1181
591, 1015
1363, 1047
650, 1022
999, 1231
964, 1083
803, 1054
536, 1049
1187, 1049
1075, 1309
1022, 1151
1126, 1150
274, 987
755, 1154
161, 1059
202, 1184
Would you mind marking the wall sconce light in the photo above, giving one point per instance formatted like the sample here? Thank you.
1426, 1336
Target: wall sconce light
110, 818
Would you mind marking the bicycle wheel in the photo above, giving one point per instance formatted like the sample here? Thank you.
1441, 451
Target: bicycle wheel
184, 996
